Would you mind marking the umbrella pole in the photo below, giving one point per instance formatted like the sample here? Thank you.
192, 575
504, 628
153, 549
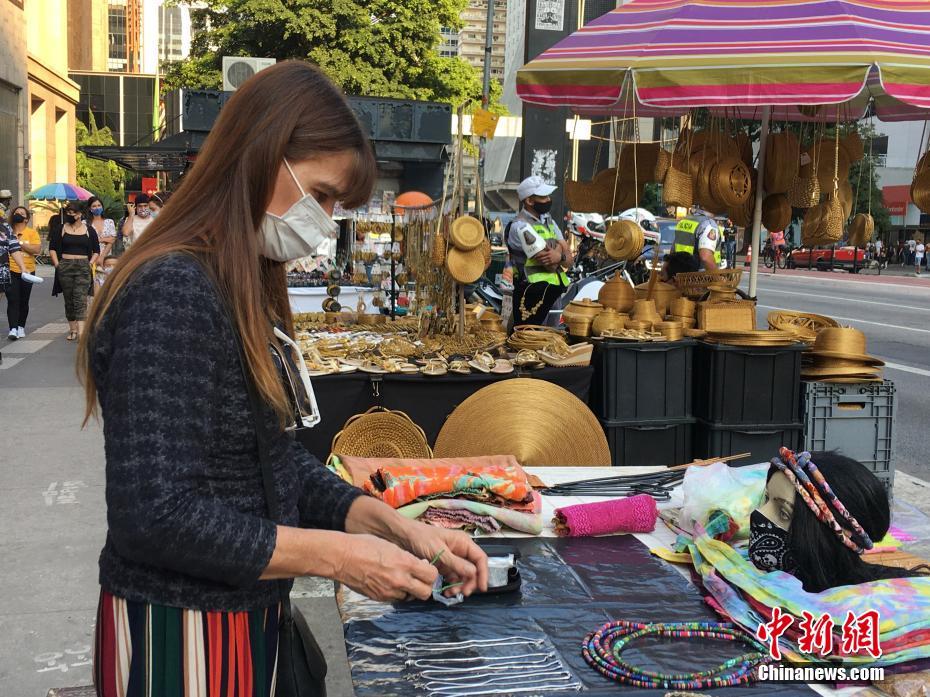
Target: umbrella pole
757, 213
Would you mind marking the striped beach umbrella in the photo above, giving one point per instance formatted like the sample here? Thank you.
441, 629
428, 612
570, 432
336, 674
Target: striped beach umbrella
58, 191
674, 55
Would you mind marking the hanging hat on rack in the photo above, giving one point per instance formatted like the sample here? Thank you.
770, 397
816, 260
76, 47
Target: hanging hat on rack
465, 267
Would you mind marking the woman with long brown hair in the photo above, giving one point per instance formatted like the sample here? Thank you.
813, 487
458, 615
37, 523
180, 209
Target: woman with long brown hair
212, 507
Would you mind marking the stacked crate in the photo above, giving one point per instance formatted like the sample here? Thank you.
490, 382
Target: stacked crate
641, 392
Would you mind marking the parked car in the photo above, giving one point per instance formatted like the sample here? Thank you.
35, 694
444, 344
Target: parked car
841, 257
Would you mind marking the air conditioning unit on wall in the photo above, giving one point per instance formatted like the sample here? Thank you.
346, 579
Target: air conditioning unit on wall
238, 69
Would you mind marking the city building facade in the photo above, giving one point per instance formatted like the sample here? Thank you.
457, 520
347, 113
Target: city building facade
14, 111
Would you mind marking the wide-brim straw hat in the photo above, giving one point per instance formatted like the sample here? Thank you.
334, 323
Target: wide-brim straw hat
843, 342
465, 267
381, 433
467, 233
624, 240
776, 212
536, 437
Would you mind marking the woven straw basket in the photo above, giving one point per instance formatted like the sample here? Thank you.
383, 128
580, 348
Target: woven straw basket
679, 188
381, 433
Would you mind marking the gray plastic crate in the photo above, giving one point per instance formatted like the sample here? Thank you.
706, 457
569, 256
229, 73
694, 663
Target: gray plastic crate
857, 420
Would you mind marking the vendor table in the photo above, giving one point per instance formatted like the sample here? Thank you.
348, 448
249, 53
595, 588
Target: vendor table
311, 299
426, 400
570, 587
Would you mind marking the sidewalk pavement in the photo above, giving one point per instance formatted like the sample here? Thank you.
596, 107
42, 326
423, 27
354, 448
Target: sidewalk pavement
894, 274
52, 509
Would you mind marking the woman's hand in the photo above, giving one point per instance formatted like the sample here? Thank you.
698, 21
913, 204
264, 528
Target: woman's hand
383, 571
460, 560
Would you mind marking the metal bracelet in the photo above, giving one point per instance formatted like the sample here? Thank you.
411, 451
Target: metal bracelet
439, 663
553, 668
502, 683
423, 646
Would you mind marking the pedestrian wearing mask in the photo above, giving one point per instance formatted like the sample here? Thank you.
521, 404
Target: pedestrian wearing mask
22, 275
138, 218
538, 253
106, 233
212, 506
10, 251
74, 251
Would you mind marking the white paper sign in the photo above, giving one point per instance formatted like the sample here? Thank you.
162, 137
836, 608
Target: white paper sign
543, 165
550, 15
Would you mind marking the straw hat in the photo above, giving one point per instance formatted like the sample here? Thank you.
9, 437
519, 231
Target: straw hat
838, 371
467, 233
624, 240
731, 182
465, 267
843, 342
776, 212
381, 433
534, 436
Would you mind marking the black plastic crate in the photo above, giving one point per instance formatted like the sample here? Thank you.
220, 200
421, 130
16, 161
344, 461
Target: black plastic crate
855, 419
762, 441
642, 381
649, 443
738, 385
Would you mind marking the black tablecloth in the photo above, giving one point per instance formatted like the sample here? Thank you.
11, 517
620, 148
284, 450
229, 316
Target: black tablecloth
426, 400
570, 587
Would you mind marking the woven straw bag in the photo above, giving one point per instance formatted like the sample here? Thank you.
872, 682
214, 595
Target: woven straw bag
852, 145
731, 182
678, 189
861, 230
776, 212
845, 194
783, 158
438, 252
920, 189
663, 160
804, 192
831, 229
824, 152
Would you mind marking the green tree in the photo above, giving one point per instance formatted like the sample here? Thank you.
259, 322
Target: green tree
381, 48
103, 178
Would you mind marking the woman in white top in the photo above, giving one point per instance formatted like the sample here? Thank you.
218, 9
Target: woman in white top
919, 256
106, 233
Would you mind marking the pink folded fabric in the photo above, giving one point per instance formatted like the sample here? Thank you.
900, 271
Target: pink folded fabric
635, 514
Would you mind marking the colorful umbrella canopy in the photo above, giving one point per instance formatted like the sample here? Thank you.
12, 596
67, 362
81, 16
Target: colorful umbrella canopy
741, 55
58, 191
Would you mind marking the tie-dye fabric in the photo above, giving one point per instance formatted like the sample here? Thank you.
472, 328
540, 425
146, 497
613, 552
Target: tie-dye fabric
398, 485
747, 595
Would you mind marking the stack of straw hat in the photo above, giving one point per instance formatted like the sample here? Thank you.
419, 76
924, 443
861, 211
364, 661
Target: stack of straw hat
839, 355
466, 258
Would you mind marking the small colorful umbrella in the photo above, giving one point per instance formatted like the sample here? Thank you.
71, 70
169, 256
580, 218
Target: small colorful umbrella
58, 191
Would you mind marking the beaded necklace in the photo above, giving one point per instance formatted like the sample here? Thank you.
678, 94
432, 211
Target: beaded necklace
603, 649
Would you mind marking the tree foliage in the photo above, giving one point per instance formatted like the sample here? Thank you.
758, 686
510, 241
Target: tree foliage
381, 48
104, 179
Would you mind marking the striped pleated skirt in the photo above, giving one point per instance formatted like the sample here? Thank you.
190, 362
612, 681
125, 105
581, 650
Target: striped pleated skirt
147, 650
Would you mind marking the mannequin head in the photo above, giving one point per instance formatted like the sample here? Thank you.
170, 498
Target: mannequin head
812, 552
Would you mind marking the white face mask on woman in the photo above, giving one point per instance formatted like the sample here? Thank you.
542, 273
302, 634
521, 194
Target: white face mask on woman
298, 232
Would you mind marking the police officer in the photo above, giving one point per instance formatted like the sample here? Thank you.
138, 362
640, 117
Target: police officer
699, 234
538, 252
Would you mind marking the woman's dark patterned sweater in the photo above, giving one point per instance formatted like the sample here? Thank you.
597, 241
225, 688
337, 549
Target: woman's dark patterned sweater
186, 511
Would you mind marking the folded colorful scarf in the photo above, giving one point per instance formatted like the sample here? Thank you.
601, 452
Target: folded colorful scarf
398, 485
634, 514
358, 470
528, 520
459, 519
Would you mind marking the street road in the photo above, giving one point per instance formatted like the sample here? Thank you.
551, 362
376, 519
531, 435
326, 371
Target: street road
894, 314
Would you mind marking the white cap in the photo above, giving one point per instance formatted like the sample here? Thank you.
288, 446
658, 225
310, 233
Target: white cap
534, 186
6, 193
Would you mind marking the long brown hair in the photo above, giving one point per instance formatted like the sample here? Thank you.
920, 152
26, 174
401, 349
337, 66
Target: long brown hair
289, 110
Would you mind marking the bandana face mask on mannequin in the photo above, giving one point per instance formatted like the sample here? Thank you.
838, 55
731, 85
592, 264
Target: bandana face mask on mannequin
298, 232
768, 545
